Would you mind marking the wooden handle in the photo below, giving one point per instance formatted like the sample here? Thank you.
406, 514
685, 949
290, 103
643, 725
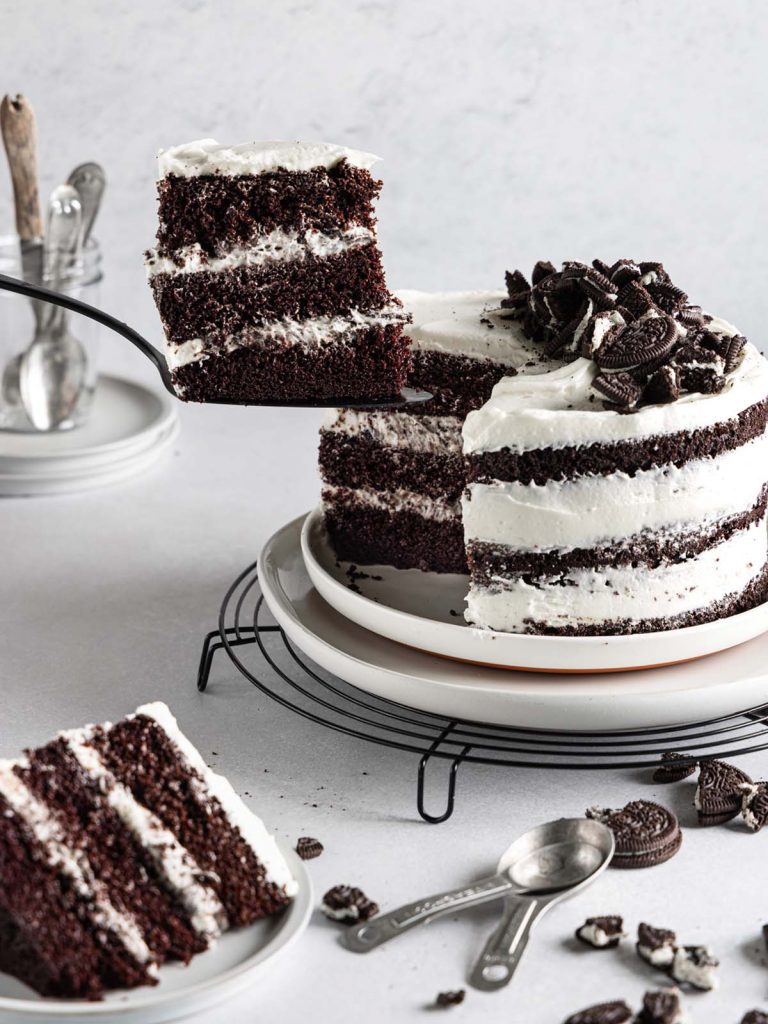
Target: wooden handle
17, 123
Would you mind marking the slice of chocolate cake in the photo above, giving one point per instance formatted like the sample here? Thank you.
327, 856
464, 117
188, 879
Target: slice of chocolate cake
120, 849
267, 276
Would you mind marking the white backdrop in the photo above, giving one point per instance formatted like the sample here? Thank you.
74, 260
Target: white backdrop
509, 130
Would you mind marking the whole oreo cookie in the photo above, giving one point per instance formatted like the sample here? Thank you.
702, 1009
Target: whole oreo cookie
646, 833
718, 793
640, 343
603, 1013
674, 768
754, 805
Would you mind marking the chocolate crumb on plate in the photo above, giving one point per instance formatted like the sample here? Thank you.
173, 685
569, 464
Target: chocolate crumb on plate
661, 1007
755, 1017
695, 966
309, 848
453, 998
674, 768
348, 905
601, 932
754, 805
718, 793
646, 833
616, 1012
656, 946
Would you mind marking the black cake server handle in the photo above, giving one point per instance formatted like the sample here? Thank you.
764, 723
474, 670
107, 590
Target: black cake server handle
408, 396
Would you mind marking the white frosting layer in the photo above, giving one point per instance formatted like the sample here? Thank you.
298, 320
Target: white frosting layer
437, 435
279, 246
314, 333
558, 409
207, 156
398, 500
451, 322
660, 956
594, 596
73, 865
175, 865
250, 827
592, 510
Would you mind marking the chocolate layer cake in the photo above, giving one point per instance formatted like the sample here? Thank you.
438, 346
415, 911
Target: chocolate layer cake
267, 276
626, 490
392, 481
120, 849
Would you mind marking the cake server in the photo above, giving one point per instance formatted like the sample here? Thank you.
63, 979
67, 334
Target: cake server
543, 866
407, 397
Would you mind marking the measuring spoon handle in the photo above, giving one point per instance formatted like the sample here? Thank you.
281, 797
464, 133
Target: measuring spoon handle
364, 937
504, 949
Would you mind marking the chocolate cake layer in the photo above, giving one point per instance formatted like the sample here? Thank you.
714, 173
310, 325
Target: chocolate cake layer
752, 596
374, 363
144, 759
219, 212
214, 305
372, 536
458, 384
544, 464
489, 561
360, 461
114, 854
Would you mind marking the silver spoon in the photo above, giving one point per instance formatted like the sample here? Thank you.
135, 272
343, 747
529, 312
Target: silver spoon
53, 368
90, 181
566, 851
545, 864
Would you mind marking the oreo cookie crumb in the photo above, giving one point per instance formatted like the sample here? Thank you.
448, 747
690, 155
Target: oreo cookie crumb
452, 998
616, 1012
309, 848
754, 805
601, 932
662, 1006
674, 768
657, 946
695, 966
348, 905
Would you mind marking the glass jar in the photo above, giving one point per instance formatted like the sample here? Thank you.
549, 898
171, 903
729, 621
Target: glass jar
17, 331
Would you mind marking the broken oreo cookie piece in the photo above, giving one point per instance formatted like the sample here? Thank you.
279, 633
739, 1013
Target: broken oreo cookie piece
616, 1012
718, 793
754, 804
674, 768
657, 946
308, 848
695, 966
646, 833
755, 1017
621, 389
454, 998
662, 1006
601, 932
348, 905
663, 386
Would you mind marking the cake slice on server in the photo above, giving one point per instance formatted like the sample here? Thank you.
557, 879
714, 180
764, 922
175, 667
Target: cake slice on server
267, 276
392, 481
120, 849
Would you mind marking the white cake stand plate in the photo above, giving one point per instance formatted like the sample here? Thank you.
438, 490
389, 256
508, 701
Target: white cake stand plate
725, 683
425, 610
129, 429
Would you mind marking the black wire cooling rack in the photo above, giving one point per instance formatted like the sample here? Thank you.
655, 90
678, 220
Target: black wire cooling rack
265, 656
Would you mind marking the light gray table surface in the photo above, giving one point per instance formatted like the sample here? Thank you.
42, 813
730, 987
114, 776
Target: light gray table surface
105, 600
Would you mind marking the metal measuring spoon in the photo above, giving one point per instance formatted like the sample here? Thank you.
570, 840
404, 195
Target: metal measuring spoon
545, 864
568, 851
53, 368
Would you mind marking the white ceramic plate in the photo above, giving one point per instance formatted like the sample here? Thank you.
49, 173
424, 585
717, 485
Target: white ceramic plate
426, 610
725, 683
130, 427
210, 978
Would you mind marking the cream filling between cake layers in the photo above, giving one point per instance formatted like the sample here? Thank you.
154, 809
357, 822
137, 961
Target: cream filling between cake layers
590, 510
175, 865
400, 500
278, 246
313, 333
637, 593
436, 435
73, 864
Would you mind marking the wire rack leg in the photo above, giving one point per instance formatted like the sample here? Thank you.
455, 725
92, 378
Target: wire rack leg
436, 819
213, 642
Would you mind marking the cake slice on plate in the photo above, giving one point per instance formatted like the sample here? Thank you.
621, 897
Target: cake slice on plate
120, 849
267, 275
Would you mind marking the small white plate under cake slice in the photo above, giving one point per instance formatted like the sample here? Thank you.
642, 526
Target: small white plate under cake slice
426, 611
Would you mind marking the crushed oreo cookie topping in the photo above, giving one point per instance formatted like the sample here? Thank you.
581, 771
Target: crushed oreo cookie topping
674, 768
601, 932
616, 1012
662, 1006
718, 793
754, 804
695, 966
446, 999
646, 833
309, 848
630, 319
347, 904
657, 946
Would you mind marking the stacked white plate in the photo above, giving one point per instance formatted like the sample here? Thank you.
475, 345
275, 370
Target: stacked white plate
129, 429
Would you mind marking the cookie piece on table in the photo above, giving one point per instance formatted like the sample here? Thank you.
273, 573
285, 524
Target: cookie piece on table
657, 946
601, 932
695, 966
348, 905
646, 833
616, 1012
662, 1006
755, 1017
454, 998
718, 792
309, 848
674, 768
754, 805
